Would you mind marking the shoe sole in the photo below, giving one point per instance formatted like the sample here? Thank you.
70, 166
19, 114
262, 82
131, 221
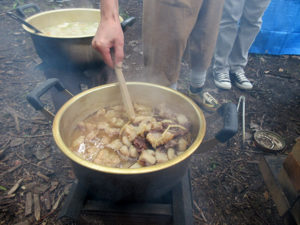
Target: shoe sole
203, 106
242, 87
206, 108
221, 86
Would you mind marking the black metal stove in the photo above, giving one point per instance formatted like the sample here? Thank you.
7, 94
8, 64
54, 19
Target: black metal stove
175, 207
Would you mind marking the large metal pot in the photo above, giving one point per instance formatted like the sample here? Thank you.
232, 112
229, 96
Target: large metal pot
76, 51
140, 183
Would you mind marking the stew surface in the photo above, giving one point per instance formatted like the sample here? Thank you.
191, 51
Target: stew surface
108, 138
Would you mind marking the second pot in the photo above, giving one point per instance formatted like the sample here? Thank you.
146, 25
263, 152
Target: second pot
76, 51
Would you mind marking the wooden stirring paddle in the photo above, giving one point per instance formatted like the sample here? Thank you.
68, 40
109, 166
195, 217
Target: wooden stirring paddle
124, 91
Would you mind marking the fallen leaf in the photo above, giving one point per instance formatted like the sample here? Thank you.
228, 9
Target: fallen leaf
40, 189
266, 195
16, 142
41, 154
2, 188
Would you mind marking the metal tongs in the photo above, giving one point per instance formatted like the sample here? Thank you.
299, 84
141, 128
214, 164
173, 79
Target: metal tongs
242, 99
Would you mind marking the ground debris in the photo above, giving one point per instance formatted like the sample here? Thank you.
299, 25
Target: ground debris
56, 204
37, 208
4, 147
11, 169
23, 223
15, 116
16, 142
43, 176
28, 204
200, 211
5, 201
54, 185
15, 187
41, 188
29, 186
46, 199
40, 120
41, 154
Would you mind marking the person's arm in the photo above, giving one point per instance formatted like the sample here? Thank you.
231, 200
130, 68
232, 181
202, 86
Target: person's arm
109, 34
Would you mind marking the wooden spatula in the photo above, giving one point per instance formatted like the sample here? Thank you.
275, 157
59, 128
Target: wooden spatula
124, 91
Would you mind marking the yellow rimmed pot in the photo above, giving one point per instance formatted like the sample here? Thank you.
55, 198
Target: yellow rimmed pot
120, 183
66, 50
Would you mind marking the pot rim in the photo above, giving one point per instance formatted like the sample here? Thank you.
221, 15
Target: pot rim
32, 32
127, 171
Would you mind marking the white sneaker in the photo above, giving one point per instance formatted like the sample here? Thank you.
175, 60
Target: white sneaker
241, 81
222, 80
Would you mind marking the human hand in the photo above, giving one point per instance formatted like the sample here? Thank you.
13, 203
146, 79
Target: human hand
110, 36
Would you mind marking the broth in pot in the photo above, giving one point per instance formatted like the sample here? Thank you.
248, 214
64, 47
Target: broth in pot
108, 138
72, 29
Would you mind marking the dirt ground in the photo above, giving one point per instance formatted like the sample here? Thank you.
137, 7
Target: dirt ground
227, 185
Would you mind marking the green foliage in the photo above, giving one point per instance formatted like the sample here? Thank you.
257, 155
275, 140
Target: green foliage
124, 15
2, 188
17, 3
213, 165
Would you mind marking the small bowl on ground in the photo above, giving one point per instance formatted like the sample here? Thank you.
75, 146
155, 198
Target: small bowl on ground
269, 141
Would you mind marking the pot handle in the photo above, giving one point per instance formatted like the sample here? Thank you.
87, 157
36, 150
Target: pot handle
230, 127
20, 10
127, 23
34, 96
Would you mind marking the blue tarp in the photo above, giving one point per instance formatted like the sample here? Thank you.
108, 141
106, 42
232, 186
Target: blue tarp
280, 31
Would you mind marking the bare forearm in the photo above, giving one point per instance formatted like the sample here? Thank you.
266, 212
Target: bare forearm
109, 10
109, 34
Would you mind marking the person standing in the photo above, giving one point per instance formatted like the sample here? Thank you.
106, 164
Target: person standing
168, 25
241, 21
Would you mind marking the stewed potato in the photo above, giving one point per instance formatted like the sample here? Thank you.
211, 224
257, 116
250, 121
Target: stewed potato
108, 138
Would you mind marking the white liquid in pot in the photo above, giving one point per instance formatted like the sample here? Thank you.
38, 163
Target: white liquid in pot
72, 29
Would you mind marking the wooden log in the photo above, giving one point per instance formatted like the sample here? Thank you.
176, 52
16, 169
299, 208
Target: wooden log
37, 208
28, 204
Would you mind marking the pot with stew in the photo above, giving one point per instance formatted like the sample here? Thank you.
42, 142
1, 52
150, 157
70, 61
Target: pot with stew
66, 34
118, 158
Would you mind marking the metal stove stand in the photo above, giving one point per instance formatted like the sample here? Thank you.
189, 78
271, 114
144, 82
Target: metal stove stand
174, 208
